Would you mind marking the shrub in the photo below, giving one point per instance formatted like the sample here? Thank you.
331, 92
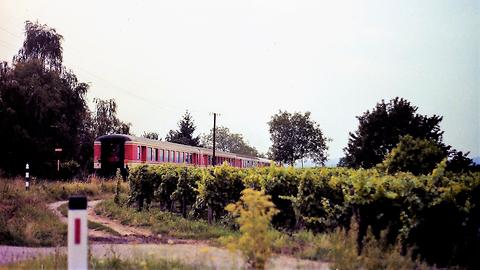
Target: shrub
254, 211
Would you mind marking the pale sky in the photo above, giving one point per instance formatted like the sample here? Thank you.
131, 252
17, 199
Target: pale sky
248, 59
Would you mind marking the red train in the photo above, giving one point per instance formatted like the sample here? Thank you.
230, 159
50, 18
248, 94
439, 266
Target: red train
119, 151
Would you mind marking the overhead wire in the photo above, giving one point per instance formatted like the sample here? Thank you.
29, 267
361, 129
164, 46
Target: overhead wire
155, 104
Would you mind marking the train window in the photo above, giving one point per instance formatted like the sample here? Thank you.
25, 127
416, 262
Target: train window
138, 152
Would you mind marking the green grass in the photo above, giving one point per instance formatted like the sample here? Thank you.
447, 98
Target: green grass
340, 248
56, 261
25, 219
160, 222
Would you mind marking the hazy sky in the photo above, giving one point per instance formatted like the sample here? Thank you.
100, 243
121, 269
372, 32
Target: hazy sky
248, 59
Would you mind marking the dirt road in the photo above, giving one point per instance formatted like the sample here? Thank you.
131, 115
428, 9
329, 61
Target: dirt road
137, 242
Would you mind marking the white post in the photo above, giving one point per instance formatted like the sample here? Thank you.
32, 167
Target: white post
77, 233
27, 177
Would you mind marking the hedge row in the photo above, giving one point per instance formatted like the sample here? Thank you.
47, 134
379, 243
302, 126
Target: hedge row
436, 215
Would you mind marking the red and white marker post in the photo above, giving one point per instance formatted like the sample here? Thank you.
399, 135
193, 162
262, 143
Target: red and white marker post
77, 233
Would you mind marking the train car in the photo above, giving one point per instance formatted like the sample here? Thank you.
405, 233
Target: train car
119, 151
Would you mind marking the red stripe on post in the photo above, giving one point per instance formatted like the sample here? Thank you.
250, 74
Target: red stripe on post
77, 231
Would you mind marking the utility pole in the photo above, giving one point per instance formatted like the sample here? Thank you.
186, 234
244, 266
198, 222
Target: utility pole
214, 128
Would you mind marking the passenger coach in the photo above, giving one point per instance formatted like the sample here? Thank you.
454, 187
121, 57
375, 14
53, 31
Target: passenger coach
119, 151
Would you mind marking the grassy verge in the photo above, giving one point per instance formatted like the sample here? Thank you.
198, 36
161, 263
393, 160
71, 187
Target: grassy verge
160, 222
25, 219
340, 248
60, 262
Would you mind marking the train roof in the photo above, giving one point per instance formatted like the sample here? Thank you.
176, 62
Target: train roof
202, 150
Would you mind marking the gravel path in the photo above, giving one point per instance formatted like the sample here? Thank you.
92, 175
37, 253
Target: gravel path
198, 254
9, 254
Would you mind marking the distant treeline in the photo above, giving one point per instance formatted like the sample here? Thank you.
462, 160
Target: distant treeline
43, 108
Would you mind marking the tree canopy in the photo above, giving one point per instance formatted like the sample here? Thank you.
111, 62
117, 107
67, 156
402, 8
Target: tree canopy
408, 141
105, 118
228, 142
42, 106
415, 155
184, 134
43, 44
380, 130
295, 136
150, 135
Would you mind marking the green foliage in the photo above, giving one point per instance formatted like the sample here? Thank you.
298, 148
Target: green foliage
105, 120
184, 134
118, 177
435, 215
43, 107
217, 188
41, 43
418, 156
296, 136
228, 142
40, 110
69, 169
380, 130
161, 222
25, 219
254, 211
151, 135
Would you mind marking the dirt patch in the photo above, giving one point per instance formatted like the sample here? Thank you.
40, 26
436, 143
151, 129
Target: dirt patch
128, 234
136, 242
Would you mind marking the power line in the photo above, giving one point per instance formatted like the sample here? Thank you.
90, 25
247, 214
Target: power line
121, 89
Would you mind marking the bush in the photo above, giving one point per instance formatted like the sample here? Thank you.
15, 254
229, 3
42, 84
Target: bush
254, 211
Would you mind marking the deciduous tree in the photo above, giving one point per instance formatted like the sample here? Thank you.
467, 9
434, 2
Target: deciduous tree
42, 106
380, 130
228, 142
105, 118
150, 135
296, 136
